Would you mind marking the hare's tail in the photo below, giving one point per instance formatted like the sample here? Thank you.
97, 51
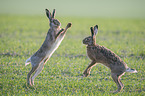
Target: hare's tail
28, 61
130, 70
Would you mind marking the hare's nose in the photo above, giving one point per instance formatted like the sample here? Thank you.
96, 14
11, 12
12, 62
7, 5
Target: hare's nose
83, 42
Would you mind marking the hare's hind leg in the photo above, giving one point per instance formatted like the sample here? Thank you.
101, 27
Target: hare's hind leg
88, 69
37, 72
117, 80
121, 83
29, 75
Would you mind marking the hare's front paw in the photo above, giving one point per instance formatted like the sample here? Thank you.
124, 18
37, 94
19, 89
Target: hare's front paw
69, 25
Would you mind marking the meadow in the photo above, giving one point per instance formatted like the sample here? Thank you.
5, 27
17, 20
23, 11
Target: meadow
21, 36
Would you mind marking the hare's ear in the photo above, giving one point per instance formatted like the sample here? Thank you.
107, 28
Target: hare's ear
92, 31
53, 14
95, 29
93, 35
48, 14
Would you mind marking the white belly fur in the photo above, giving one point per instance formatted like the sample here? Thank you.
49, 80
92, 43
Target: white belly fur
53, 47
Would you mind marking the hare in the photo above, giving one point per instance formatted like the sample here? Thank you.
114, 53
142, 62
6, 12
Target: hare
100, 54
53, 39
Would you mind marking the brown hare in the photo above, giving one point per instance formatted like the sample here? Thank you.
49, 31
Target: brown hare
53, 39
100, 54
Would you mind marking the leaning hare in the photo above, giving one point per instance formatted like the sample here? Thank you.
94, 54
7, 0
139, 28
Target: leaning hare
100, 54
53, 39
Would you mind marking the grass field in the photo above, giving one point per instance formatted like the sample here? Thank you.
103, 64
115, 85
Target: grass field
23, 28
21, 36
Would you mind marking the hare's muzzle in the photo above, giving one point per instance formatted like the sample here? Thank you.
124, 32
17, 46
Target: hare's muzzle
84, 42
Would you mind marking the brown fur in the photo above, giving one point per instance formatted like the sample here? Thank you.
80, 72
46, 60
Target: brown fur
100, 54
53, 39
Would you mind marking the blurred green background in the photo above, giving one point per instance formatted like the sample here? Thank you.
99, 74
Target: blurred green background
85, 8
23, 28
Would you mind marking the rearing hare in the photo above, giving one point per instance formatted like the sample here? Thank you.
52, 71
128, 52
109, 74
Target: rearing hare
53, 39
100, 54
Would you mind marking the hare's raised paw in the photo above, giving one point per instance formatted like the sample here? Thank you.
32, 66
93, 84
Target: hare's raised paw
69, 25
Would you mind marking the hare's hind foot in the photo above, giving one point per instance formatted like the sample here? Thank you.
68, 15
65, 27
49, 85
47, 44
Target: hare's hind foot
118, 82
32, 81
114, 92
29, 82
37, 72
29, 79
118, 90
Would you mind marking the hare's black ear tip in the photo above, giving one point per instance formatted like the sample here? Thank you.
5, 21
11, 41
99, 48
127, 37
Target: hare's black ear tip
96, 26
46, 9
53, 10
91, 28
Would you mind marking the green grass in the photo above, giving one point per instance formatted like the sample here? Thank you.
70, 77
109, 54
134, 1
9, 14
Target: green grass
21, 36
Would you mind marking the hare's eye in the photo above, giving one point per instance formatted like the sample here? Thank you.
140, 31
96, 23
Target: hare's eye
56, 22
87, 39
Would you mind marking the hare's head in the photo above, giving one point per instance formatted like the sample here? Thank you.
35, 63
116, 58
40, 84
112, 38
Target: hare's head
91, 40
53, 22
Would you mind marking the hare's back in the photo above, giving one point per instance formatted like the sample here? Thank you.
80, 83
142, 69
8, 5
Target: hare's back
100, 52
110, 55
